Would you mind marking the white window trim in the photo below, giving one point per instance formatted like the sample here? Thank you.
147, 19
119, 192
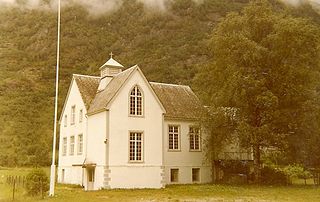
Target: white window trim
80, 146
74, 140
194, 143
65, 120
142, 147
136, 102
73, 115
179, 138
64, 146
177, 181
80, 115
198, 176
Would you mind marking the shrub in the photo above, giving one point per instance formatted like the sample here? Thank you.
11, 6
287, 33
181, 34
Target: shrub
297, 171
270, 175
37, 182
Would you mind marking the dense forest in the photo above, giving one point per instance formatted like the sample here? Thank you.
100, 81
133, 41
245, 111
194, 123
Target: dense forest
170, 45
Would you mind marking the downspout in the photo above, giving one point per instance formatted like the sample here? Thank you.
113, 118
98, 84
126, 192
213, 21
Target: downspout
86, 150
163, 153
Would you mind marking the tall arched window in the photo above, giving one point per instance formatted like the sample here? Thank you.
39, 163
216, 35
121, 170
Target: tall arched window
136, 102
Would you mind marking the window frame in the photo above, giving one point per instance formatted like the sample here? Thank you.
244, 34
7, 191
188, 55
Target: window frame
136, 102
73, 115
194, 140
65, 120
72, 145
179, 138
142, 147
64, 146
171, 175
199, 175
80, 115
80, 144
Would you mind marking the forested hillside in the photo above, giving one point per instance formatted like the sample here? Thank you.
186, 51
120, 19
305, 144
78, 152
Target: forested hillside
169, 46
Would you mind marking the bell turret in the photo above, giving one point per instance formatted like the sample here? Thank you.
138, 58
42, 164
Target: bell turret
108, 70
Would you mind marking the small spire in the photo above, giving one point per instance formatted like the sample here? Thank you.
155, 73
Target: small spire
111, 54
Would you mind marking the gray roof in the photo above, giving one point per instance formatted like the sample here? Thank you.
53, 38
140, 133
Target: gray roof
88, 86
103, 97
179, 101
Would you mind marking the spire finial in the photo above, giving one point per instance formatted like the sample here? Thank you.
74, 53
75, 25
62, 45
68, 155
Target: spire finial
111, 54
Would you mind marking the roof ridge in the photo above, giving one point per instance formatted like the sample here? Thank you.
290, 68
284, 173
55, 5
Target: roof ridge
168, 84
85, 75
124, 71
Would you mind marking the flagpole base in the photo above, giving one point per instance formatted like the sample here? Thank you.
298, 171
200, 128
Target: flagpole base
52, 180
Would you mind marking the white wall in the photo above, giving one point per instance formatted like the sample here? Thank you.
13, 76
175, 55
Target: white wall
124, 174
72, 175
97, 129
184, 159
66, 162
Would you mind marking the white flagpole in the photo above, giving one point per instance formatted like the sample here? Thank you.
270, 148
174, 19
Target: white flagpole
53, 166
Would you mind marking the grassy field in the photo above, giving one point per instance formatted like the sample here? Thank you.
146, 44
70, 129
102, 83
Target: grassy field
188, 193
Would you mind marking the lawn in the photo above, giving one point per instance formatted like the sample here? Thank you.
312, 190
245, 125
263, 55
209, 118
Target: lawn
189, 193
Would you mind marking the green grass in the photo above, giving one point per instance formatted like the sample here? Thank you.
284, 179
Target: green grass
171, 193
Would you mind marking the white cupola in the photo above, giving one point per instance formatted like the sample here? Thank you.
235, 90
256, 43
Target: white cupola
111, 67
108, 70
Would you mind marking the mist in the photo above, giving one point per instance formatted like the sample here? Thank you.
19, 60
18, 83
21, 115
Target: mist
94, 7
297, 3
100, 7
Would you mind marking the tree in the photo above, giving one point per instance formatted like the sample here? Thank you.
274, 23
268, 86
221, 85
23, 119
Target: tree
265, 66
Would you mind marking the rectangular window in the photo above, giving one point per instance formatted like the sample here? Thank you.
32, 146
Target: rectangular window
80, 115
65, 120
71, 145
135, 147
80, 144
174, 175
64, 146
73, 114
174, 138
195, 141
195, 174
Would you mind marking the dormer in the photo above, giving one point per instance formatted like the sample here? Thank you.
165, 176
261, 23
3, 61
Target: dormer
108, 70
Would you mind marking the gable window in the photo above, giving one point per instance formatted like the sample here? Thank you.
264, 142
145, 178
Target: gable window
135, 146
80, 116
64, 146
195, 174
71, 145
174, 143
174, 175
73, 114
65, 120
136, 102
194, 137
80, 144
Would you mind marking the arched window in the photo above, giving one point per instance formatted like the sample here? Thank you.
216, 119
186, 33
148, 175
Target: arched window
136, 102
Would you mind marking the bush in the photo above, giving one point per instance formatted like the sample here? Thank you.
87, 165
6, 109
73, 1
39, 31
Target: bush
297, 171
274, 176
37, 182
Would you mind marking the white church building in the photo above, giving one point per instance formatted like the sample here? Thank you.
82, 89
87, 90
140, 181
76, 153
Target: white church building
121, 131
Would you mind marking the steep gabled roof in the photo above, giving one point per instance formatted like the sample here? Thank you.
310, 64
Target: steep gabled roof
102, 98
179, 101
88, 86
